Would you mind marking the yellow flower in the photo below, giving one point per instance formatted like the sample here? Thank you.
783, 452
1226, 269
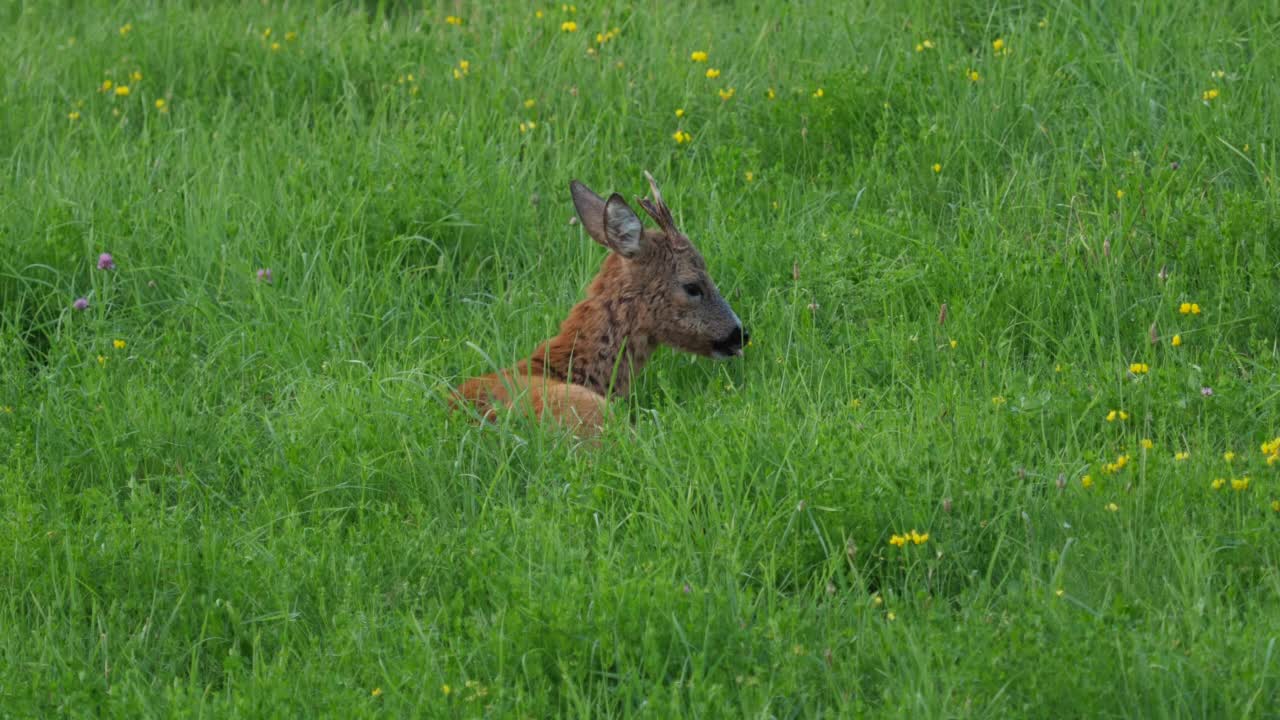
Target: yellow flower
727, 94
1111, 416
1059, 592
6, 409
998, 45
681, 137
698, 56
102, 359
1218, 74
126, 29
891, 617
937, 167
1086, 481
998, 400
919, 47
972, 75
1228, 456
953, 343
770, 94
135, 76
1181, 456
818, 93
1044, 23
118, 344
376, 692
1139, 368
1275, 506
1124, 415
877, 600
1117, 466
106, 86
1113, 507
1210, 94
1218, 484
928, 44
266, 33
679, 112
712, 73
1176, 341
1147, 444
898, 540
1119, 194
275, 47
569, 26
122, 90
290, 36
1240, 485
918, 538
1195, 309
750, 176
537, 14
161, 105
73, 115
446, 690
453, 20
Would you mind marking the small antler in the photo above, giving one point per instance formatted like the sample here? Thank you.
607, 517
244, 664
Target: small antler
660, 213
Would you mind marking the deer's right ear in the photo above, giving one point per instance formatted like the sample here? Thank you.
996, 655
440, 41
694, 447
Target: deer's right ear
590, 207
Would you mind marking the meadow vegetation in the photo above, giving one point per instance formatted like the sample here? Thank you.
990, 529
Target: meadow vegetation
1004, 443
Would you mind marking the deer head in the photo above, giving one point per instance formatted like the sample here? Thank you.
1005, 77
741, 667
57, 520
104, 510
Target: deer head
679, 304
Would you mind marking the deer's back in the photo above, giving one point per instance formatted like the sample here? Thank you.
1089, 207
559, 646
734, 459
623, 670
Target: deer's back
576, 407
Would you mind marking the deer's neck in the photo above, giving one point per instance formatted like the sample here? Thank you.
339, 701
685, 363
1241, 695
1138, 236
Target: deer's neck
600, 346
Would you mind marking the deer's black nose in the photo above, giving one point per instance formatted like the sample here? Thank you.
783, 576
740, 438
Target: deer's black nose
733, 343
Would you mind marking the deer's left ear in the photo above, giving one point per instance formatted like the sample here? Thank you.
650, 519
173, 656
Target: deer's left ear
622, 228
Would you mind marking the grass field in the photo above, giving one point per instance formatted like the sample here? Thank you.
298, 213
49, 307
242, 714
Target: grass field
233, 493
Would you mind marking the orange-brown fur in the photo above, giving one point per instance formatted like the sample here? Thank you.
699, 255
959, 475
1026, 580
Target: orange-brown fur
630, 308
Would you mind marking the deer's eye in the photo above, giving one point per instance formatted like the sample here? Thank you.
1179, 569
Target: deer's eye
693, 289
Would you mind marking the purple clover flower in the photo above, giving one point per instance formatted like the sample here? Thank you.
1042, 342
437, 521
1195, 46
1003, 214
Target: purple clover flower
105, 262
81, 304
1206, 391
264, 275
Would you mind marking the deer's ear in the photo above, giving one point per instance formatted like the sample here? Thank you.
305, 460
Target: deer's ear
590, 207
622, 228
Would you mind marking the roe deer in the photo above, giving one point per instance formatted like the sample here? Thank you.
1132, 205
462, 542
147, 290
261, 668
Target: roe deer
652, 289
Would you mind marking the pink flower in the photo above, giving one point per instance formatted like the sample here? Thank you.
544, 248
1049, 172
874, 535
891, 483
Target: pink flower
264, 275
81, 304
1206, 391
105, 262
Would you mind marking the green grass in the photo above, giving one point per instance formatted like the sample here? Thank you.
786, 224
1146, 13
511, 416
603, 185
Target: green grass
262, 507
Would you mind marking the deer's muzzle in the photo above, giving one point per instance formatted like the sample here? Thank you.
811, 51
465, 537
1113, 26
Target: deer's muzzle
731, 346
